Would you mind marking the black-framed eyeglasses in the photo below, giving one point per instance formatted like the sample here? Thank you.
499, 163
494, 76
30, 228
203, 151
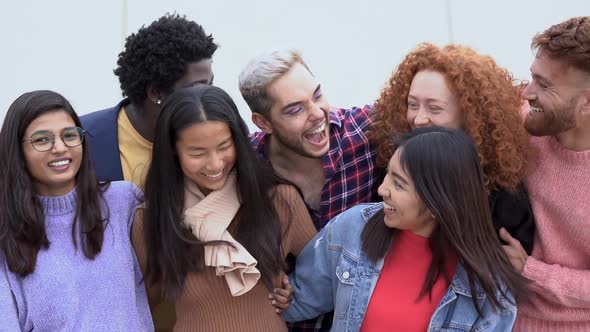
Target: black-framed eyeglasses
44, 140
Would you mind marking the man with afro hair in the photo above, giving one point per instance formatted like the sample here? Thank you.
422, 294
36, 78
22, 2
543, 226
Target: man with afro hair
171, 53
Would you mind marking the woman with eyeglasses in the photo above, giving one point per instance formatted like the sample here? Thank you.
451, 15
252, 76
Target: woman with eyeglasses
66, 261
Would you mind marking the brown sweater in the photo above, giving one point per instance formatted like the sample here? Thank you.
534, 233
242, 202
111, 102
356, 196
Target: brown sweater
206, 303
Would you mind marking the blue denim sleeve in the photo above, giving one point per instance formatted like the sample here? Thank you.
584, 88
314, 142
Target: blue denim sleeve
500, 320
312, 279
505, 321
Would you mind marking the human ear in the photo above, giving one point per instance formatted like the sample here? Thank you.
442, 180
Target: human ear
262, 123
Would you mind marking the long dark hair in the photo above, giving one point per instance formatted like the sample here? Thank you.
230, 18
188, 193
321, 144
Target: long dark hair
172, 250
22, 220
445, 169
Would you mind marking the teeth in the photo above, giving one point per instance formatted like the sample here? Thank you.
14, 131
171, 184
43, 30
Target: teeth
59, 163
319, 129
213, 176
536, 110
387, 206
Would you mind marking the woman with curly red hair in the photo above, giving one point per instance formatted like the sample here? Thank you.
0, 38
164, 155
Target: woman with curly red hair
455, 87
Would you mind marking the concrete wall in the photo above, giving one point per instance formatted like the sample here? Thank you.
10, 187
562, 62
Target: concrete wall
352, 46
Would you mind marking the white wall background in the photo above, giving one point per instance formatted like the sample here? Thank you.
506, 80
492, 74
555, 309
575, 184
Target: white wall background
71, 46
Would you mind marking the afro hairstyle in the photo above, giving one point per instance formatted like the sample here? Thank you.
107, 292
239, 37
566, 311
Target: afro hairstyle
159, 54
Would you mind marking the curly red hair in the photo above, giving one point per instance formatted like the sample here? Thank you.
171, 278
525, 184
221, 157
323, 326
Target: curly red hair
487, 97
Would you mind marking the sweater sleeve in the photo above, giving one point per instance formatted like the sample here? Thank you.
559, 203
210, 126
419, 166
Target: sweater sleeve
135, 201
8, 306
562, 285
298, 229
140, 247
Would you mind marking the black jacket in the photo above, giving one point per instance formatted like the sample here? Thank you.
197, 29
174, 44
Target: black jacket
513, 211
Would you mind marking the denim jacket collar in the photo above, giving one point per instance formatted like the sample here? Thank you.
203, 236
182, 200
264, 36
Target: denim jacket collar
333, 273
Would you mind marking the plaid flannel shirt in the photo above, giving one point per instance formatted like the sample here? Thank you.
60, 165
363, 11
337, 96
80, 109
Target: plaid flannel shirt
351, 176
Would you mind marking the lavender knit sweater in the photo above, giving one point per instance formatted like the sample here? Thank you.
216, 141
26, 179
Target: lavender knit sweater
69, 292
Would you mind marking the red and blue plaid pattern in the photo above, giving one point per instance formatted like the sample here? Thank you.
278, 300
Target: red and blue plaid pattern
351, 175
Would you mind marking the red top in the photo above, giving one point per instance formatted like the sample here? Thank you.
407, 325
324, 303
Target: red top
394, 305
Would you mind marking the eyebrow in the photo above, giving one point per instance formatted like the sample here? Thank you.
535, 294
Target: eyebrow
400, 178
299, 102
41, 132
205, 81
198, 148
45, 131
541, 78
429, 99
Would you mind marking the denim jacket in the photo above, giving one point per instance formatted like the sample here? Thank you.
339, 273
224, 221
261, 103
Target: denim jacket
333, 273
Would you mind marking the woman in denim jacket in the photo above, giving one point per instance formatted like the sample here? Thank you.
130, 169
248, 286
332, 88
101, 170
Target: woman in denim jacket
426, 258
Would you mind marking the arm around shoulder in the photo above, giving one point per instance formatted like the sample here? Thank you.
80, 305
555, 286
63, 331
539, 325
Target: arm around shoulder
561, 285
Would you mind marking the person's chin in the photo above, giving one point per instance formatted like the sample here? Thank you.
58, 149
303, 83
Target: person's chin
63, 178
538, 130
535, 127
389, 222
316, 151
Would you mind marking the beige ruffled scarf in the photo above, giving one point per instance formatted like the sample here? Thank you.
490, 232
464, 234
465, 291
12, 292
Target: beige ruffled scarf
208, 217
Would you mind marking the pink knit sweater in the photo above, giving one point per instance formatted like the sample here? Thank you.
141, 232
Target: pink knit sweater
559, 190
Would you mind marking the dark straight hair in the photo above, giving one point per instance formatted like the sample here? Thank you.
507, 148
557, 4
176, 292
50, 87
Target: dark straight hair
444, 167
22, 220
172, 250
